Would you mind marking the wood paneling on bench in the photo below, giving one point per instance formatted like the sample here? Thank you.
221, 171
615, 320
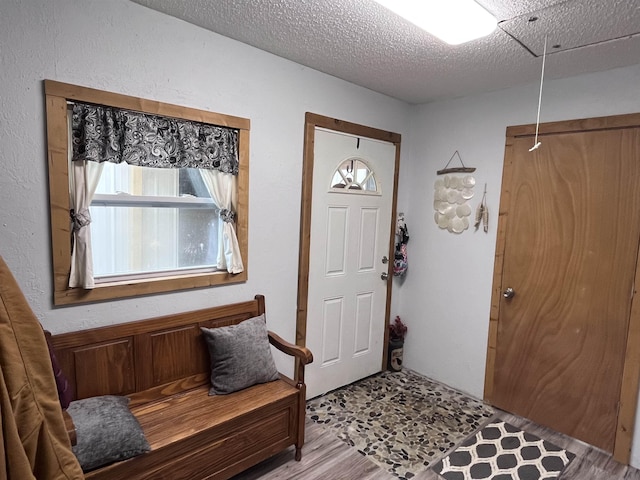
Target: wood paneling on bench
163, 366
164, 354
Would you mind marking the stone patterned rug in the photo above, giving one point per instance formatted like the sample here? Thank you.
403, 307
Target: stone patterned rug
402, 421
501, 451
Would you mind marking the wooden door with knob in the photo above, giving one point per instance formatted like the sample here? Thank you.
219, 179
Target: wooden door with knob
566, 262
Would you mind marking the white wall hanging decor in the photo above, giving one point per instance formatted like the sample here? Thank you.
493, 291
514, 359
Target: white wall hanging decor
451, 202
451, 197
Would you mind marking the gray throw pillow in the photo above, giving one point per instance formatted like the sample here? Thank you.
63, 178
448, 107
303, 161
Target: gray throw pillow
106, 431
240, 356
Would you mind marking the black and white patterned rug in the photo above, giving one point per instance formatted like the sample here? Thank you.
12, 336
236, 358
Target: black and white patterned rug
501, 451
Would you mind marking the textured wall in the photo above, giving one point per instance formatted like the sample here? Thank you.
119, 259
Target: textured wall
452, 275
123, 47
126, 48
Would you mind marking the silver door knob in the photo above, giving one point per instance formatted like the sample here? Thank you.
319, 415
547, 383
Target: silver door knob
509, 293
384, 275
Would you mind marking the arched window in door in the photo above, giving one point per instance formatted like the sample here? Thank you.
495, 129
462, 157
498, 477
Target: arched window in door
354, 175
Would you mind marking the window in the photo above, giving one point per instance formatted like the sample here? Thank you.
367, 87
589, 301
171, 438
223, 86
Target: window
149, 222
354, 175
151, 229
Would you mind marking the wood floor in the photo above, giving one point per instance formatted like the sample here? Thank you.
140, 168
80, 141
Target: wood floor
325, 457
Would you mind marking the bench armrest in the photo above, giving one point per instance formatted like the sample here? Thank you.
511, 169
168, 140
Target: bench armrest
302, 353
70, 427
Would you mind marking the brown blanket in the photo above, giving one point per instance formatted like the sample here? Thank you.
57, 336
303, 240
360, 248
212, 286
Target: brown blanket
35, 444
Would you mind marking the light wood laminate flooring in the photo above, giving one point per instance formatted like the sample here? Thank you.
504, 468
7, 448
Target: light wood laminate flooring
325, 457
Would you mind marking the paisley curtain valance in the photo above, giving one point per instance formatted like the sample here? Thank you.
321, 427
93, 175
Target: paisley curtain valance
109, 134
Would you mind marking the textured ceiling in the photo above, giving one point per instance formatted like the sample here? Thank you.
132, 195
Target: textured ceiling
364, 43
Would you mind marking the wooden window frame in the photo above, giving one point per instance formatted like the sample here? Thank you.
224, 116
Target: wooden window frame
57, 96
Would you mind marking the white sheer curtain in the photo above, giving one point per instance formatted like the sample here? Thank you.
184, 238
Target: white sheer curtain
84, 178
223, 190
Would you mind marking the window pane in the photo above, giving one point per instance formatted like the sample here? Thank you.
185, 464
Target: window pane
354, 174
131, 240
198, 237
120, 178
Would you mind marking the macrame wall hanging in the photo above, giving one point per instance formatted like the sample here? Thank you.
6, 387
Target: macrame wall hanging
451, 197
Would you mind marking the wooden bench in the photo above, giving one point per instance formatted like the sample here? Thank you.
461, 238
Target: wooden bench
163, 366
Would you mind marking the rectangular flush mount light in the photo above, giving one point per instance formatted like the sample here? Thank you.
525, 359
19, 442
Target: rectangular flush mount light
453, 21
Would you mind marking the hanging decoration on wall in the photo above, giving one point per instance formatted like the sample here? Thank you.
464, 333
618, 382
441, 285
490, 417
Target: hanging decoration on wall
482, 213
400, 263
463, 169
451, 197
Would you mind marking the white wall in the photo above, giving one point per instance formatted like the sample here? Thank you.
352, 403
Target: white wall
123, 47
445, 299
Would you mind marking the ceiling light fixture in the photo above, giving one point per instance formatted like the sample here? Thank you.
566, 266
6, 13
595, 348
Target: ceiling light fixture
452, 21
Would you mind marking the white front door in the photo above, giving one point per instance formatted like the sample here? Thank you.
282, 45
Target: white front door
351, 212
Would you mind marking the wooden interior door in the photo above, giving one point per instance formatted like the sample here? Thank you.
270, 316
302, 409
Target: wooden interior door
569, 231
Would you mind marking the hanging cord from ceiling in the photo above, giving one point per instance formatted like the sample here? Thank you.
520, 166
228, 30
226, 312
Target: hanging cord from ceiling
544, 58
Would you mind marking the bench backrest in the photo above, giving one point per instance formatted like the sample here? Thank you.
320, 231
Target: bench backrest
147, 359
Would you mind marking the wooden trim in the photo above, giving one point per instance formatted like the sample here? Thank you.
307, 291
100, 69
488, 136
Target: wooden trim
312, 121
84, 94
352, 128
166, 322
242, 215
578, 125
391, 256
631, 372
57, 155
496, 291
56, 96
70, 296
305, 230
630, 380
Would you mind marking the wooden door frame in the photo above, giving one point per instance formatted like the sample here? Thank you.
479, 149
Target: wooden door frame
312, 121
631, 370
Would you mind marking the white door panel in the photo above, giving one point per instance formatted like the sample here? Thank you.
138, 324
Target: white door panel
350, 233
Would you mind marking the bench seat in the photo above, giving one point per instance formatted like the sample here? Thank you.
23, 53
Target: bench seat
219, 433
202, 412
192, 435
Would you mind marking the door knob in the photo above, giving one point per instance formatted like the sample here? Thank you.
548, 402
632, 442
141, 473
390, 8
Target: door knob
385, 260
384, 275
509, 293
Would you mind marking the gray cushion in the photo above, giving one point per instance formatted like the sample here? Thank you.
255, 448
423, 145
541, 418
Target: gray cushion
106, 431
240, 356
